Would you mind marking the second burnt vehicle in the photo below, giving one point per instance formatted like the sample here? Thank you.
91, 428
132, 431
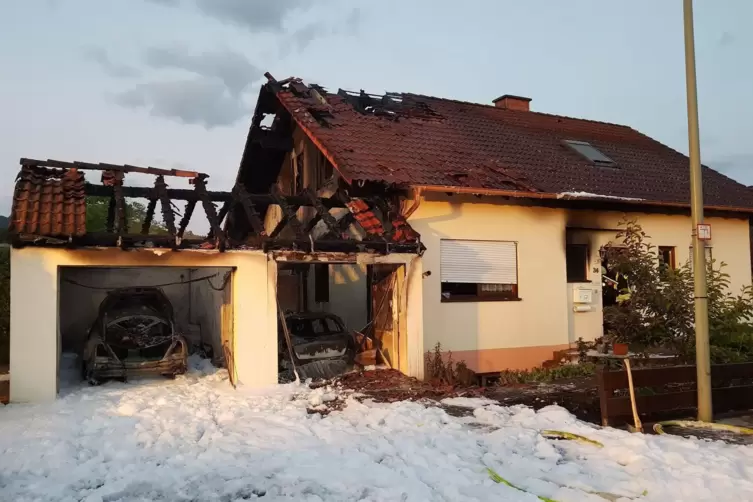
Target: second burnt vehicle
134, 335
322, 346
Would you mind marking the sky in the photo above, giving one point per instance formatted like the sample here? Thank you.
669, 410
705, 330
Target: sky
173, 83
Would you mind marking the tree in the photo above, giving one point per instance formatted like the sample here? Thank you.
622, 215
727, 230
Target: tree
4, 222
98, 207
96, 217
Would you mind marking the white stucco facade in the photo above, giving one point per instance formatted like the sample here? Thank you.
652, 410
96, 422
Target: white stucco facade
496, 335
36, 301
35, 296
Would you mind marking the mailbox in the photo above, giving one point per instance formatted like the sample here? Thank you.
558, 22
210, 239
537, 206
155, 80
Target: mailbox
582, 295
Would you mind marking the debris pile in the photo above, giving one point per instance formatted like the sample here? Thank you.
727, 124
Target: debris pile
390, 385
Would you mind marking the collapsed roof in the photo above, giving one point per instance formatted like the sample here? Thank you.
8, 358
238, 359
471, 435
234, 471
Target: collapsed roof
411, 140
50, 209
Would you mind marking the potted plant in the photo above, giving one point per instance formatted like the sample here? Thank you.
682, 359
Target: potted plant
620, 349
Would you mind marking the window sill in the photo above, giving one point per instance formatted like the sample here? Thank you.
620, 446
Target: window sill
477, 299
584, 281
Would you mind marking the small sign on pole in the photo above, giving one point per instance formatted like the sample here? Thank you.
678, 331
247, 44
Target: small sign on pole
704, 231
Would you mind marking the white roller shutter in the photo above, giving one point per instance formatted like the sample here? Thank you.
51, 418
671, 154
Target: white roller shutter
480, 262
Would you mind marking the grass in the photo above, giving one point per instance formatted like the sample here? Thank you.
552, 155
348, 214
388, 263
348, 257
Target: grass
546, 375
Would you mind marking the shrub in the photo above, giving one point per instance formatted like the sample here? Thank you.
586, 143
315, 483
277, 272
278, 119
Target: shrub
444, 370
656, 308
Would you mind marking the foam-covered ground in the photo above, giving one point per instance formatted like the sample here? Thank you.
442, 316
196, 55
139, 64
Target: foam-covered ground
197, 439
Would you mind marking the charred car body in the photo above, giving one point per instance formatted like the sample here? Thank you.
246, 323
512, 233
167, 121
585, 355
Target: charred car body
322, 346
134, 334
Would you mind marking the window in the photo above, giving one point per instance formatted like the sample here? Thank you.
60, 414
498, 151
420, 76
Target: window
474, 271
667, 257
576, 256
589, 152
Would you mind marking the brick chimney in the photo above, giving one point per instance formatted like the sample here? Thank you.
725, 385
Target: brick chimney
510, 102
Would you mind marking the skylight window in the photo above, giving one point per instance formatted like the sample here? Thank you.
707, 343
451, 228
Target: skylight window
590, 152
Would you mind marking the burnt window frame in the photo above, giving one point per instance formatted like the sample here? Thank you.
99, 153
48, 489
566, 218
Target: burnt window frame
585, 249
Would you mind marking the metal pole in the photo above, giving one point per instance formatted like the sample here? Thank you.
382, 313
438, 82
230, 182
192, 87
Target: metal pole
703, 364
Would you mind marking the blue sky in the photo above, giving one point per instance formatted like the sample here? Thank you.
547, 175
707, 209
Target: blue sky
172, 83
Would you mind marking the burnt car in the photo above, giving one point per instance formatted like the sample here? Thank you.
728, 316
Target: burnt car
134, 335
322, 346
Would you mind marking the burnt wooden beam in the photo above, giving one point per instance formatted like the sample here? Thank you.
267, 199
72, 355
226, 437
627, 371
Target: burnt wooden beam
288, 213
226, 206
121, 222
348, 219
388, 211
186, 194
322, 214
168, 216
215, 196
279, 227
134, 241
309, 227
110, 224
254, 219
341, 245
224, 210
102, 166
343, 223
138, 241
214, 223
150, 208
190, 206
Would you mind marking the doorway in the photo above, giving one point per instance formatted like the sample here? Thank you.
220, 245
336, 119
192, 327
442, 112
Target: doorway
367, 300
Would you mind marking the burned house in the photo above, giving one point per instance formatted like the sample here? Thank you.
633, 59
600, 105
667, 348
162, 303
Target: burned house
513, 206
222, 289
410, 220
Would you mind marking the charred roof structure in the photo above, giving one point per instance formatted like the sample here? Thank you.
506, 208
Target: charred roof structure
410, 141
49, 209
384, 148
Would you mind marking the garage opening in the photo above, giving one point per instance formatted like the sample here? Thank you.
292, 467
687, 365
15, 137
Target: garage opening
340, 316
128, 322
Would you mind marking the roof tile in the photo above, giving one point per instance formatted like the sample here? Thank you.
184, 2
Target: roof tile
49, 202
424, 140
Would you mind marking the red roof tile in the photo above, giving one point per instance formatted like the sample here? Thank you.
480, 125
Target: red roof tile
423, 140
49, 202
